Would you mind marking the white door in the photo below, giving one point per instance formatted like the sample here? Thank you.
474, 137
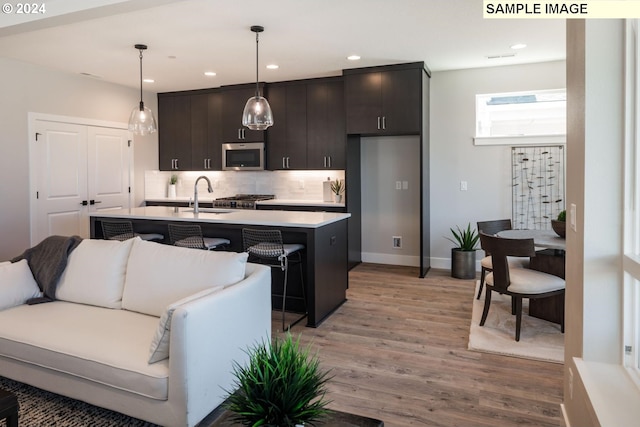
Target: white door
108, 168
79, 169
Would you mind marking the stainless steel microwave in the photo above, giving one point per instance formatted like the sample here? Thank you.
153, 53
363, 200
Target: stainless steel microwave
243, 156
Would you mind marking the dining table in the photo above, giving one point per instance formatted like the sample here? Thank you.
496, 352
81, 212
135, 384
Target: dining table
550, 259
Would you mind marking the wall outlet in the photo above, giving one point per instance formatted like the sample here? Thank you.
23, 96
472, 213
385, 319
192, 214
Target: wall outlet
463, 185
397, 242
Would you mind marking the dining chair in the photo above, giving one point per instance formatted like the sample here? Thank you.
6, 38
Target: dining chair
123, 230
190, 236
519, 283
266, 247
493, 227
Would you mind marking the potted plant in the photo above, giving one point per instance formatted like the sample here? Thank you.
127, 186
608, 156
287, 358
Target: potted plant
337, 187
171, 191
559, 225
282, 385
463, 256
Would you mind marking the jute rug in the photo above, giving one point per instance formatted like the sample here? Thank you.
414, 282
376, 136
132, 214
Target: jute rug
39, 408
539, 339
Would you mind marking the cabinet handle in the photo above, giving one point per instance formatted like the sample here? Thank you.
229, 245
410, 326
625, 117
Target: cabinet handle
242, 133
329, 157
283, 163
177, 163
209, 163
325, 161
384, 122
378, 122
288, 163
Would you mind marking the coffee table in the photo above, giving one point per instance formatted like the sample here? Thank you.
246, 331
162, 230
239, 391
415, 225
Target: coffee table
9, 408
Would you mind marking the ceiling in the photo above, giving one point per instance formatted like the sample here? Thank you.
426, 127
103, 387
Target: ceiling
306, 38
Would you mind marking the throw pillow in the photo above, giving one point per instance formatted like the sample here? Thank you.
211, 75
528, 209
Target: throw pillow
159, 349
95, 273
158, 275
17, 284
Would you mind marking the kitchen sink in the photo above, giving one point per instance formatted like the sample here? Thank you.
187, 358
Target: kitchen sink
209, 210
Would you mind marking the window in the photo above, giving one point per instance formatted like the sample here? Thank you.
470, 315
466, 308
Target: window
538, 117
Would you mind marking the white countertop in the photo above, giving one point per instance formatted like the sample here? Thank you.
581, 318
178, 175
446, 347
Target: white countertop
288, 202
274, 218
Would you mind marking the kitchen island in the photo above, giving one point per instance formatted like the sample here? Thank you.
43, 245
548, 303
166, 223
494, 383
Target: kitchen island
324, 235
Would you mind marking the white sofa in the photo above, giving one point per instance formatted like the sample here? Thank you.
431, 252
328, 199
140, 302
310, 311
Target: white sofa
141, 328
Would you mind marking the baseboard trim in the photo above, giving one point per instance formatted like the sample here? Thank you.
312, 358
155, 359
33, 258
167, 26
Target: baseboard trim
377, 258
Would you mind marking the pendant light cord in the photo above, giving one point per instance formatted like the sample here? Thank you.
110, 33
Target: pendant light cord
257, 87
141, 103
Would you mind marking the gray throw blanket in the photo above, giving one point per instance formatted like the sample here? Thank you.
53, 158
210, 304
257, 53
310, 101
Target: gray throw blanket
47, 260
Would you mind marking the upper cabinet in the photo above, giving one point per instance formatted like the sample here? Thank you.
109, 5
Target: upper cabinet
287, 138
384, 100
326, 133
309, 130
234, 99
174, 131
190, 130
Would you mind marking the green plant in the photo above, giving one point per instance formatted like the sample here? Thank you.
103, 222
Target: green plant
174, 179
282, 385
562, 216
465, 239
337, 187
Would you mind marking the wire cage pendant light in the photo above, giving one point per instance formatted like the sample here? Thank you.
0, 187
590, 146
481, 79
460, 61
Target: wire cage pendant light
257, 113
141, 120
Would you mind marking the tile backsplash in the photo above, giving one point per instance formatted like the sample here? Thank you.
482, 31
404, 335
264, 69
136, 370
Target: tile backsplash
292, 185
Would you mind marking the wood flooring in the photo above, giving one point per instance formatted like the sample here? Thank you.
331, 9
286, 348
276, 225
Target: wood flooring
397, 350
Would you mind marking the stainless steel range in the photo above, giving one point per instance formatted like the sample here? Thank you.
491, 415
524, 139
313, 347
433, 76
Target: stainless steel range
241, 201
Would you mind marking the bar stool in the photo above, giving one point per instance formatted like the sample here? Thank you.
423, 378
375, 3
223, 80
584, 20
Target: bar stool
190, 236
123, 230
266, 247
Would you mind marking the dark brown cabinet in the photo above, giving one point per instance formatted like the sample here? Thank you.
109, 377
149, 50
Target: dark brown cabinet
326, 133
190, 131
206, 131
287, 138
174, 127
383, 101
234, 99
309, 129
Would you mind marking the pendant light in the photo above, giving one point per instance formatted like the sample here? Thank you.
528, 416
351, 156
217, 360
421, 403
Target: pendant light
141, 120
257, 113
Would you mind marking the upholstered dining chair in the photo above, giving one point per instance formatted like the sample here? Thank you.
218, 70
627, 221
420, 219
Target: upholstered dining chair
519, 283
267, 247
493, 227
190, 236
123, 230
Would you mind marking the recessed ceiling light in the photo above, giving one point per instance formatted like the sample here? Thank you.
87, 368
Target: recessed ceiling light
209, 73
353, 57
149, 81
519, 46
273, 66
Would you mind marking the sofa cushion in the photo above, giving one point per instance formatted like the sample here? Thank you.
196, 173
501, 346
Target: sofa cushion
159, 349
158, 275
97, 344
95, 273
17, 284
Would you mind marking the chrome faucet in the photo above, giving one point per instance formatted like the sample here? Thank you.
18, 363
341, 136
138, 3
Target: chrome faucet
195, 192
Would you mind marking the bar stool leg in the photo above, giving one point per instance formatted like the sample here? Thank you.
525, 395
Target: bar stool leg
284, 290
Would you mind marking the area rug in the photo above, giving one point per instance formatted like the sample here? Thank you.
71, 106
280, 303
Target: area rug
539, 339
39, 408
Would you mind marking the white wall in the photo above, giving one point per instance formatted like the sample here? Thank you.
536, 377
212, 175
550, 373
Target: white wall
26, 88
387, 211
454, 158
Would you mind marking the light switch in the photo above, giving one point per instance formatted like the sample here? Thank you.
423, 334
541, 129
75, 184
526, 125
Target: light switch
405, 185
463, 185
398, 185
